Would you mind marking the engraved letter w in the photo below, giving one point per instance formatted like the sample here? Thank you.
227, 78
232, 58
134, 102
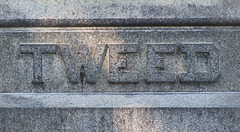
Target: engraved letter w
82, 60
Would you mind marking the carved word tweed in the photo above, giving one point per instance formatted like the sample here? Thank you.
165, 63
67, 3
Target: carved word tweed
120, 58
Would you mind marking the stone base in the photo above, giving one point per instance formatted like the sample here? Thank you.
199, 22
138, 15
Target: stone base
116, 120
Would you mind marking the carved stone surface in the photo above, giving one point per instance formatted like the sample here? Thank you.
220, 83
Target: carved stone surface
193, 75
83, 62
119, 59
119, 66
37, 50
122, 63
155, 63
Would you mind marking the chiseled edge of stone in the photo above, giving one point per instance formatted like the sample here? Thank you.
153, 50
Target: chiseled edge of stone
121, 100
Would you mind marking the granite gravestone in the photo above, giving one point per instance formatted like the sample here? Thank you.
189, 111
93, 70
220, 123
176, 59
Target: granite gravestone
175, 67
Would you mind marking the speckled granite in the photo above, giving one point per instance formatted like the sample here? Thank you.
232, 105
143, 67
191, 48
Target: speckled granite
181, 59
22, 49
120, 120
119, 12
107, 57
121, 100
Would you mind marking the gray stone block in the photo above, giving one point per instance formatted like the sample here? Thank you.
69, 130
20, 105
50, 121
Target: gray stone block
120, 120
129, 79
199, 59
119, 13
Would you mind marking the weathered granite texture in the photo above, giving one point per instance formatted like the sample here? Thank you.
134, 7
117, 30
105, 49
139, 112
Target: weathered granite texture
39, 66
121, 100
119, 12
170, 59
120, 120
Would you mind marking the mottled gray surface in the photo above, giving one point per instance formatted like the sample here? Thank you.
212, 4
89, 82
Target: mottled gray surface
83, 61
209, 56
121, 100
120, 120
118, 12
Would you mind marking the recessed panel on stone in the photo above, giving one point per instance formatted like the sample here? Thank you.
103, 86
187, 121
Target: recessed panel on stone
180, 59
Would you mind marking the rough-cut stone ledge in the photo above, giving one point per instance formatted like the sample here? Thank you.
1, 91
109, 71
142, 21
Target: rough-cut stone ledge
119, 13
121, 100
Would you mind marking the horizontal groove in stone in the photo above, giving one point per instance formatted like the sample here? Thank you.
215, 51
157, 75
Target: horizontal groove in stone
121, 100
120, 29
119, 22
